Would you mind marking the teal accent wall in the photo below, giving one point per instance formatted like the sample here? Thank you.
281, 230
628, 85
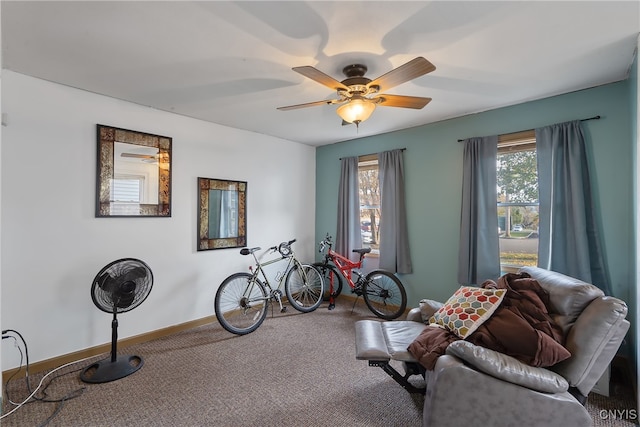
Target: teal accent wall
433, 167
633, 303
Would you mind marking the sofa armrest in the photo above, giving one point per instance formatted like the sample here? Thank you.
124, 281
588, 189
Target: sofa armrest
427, 308
453, 387
414, 315
508, 368
593, 341
422, 314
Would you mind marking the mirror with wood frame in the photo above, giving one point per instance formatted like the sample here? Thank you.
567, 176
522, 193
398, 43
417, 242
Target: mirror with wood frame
222, 214
133, 174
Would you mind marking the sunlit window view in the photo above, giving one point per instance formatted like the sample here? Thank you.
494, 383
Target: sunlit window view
369, 202
127, 192
517, 193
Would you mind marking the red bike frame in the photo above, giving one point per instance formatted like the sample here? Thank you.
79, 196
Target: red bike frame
345, 266
383, 292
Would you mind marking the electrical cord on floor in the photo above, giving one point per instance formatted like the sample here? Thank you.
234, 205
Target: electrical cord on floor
15, 343
61, 401
72, 395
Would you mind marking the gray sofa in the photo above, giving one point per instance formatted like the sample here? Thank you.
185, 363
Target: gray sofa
475, 386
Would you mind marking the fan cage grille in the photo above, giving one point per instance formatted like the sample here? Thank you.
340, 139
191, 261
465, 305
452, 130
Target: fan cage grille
123, 284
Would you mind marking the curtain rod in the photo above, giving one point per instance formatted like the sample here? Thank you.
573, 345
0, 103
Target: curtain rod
370, 154
582, 120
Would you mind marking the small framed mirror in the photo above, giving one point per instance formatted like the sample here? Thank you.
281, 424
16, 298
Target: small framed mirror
222, 214
133, 174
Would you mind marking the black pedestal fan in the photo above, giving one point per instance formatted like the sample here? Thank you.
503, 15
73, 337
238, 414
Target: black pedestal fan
119, 287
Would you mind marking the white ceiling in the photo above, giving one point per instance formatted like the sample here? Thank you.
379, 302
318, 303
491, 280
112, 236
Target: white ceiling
230, 62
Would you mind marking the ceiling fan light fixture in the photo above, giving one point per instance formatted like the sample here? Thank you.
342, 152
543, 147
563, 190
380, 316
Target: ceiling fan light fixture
354, 92
357, 110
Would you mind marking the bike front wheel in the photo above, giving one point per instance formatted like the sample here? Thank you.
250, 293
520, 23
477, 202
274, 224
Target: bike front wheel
241, 303
384, 294
332, 279
304, 287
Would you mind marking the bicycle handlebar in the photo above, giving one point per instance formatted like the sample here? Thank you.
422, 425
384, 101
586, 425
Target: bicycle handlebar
324, 243
327, 242
284, 249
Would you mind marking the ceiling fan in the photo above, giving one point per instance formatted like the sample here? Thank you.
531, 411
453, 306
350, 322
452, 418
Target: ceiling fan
139, 156
161, 157
359, 94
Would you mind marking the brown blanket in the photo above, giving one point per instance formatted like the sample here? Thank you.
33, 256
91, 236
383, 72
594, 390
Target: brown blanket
521, 327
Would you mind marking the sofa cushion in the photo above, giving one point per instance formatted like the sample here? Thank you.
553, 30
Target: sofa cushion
568, 296
508, 368
467, 309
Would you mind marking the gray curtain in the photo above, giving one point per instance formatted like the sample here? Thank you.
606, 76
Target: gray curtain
394, 237
348, 235
569, 241
479, 251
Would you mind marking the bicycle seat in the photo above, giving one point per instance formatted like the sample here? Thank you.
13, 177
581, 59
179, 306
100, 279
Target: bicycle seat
248, 251
362, 251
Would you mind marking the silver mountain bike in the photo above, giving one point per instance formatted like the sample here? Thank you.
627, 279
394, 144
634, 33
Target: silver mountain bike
242, 299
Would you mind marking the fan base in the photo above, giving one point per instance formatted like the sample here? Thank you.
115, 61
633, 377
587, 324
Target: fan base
107, 370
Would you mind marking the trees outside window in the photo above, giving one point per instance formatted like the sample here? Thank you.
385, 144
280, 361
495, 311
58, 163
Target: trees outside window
517, 198
369, 201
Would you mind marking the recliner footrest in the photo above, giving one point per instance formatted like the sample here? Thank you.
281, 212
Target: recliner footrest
370, 342
386, 340
381, 342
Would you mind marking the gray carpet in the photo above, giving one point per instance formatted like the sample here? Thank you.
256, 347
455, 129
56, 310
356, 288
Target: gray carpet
620, 408
295, 370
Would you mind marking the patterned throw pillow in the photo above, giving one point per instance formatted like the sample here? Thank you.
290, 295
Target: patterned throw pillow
467, 309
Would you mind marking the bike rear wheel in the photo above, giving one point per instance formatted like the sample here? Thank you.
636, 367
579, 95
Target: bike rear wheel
304, 287
331, 277
241, 303
384, 294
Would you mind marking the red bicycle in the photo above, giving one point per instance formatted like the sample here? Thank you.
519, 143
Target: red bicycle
383, 292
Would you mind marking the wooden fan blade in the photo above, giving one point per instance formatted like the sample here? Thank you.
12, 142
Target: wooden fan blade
320, 77
402, 101
310, 104
409, 71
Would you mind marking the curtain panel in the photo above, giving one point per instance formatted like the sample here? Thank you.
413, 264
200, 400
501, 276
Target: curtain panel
479, 249
569, 239
394, 236
348, 235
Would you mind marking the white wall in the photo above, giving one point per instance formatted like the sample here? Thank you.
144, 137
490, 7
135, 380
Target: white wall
53, 246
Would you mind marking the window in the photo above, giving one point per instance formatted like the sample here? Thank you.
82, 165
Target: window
369, 201
127, 188
127, 191
517, 197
